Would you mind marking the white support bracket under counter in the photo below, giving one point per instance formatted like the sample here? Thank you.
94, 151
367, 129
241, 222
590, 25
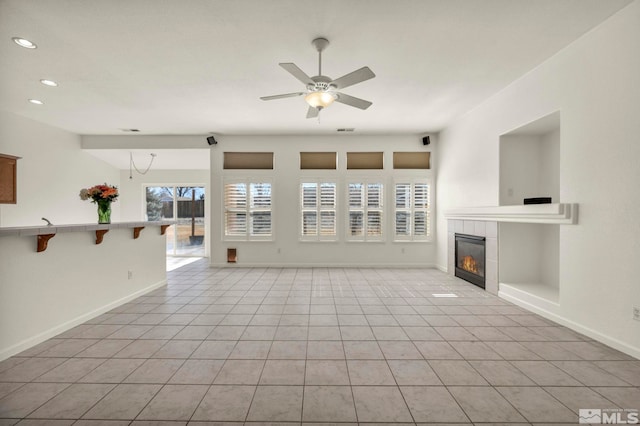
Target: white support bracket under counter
558, 213
44, 233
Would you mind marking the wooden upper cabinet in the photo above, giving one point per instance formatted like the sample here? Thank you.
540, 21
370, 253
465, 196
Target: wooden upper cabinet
8, 187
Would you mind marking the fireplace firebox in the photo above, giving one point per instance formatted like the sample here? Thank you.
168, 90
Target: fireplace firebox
470, 259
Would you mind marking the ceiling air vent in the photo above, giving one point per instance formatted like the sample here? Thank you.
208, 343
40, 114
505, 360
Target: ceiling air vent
130, 130
346, 129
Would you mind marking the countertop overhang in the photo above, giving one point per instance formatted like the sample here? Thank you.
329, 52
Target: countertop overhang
81, 227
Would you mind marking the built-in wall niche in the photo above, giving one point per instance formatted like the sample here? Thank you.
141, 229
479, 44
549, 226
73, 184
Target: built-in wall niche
530, 161
529, 256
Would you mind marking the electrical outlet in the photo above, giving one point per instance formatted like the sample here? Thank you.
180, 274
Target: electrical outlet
129, 275
636, 313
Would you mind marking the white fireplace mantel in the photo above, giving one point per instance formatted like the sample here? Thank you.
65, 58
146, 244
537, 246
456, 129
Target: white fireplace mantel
559, 213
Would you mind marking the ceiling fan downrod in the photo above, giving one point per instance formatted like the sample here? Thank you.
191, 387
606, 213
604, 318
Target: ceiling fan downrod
320, 44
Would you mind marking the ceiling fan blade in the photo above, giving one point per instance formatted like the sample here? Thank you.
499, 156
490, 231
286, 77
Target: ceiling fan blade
286, 95
352, 78
352, 101
297, 72
312, 112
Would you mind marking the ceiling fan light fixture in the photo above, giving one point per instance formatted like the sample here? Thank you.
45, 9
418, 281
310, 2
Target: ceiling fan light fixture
23, 42
49, 83
319, 99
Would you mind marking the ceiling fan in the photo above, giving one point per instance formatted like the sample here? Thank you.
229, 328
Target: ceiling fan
322, 90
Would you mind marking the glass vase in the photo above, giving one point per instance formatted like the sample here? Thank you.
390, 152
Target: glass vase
104, 211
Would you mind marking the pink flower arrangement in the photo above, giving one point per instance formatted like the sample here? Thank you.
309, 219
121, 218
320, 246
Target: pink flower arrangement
99, 193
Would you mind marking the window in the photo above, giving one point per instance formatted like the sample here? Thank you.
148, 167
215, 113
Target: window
365, 160
247, 211
318, 211
186, 206
318, 161
411, 160
412, 211
248, 160
365, 201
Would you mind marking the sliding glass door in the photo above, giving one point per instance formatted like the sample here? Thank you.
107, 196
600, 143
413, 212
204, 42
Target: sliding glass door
185, 205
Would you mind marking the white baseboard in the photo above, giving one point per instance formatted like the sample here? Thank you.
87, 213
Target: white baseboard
323, 265
61, 328
442, 268
594, 334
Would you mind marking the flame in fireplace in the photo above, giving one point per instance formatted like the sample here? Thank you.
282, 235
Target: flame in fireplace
470, 264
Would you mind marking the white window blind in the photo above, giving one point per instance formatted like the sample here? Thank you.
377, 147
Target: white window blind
412, 211
247, 210
318, 211
365, 211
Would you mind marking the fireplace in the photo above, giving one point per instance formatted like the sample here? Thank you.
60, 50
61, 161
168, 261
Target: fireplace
470, 259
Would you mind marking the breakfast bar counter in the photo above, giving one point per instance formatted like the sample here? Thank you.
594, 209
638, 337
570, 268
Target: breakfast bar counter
53, 278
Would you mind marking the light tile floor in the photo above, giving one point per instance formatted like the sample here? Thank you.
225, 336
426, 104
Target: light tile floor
320, 345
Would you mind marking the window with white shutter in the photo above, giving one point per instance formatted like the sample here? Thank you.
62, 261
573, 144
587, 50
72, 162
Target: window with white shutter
365, 211
412, 220
247, 213
318, 211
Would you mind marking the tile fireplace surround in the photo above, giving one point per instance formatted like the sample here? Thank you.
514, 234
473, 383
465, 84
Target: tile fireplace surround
487, 229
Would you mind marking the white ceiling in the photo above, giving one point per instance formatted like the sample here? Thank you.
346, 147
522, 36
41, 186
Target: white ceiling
199, 66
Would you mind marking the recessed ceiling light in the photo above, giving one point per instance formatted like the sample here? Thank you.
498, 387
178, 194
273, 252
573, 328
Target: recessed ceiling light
23, 42
36, 101
49, 83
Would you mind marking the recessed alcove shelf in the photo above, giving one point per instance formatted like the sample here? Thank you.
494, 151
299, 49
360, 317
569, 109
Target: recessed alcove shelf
529, 250
529, 265
530, 161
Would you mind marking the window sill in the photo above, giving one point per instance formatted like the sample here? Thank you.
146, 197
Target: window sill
239, 240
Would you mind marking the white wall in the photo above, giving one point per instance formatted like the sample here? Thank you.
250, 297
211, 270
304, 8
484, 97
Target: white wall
549, 160
133, 197
594, 83
51, 173
286, 249
43, 294
519, 169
